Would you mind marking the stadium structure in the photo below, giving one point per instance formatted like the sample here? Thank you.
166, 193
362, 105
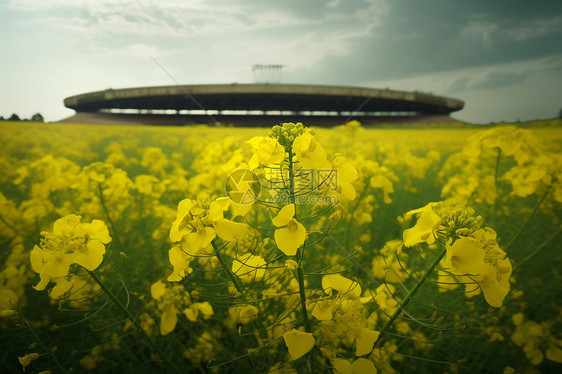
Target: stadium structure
259, 104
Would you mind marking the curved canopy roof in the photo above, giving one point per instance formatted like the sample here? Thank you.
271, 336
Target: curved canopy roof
263, 97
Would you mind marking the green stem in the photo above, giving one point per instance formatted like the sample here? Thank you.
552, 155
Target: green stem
355, 206
522, 228
133, 319
300, 276
292, 181
16, 231
540, 247
498, 160
409, 296
496, 179
43, 346
233, 278
300, 257
115, 234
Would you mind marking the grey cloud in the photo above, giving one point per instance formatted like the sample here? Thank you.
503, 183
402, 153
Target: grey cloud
497, 79
534, 29
459, 84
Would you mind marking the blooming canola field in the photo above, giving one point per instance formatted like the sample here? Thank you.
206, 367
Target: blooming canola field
137, 249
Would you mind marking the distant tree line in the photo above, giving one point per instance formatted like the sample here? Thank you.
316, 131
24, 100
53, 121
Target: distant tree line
37, 117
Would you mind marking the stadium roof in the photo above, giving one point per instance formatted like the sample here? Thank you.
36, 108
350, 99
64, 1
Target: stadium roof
278, 100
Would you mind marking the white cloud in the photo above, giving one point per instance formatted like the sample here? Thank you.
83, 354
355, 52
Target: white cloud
237, 29
456, 81
131, 50
181, 18
499, 92
479, 30
490, 33
534, 29
164, 18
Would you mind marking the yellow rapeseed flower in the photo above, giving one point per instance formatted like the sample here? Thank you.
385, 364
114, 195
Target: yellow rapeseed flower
299, 343
310, 154
291, 237
71, 242
343, 285
267, 151
26, 360
423, 230
359, 366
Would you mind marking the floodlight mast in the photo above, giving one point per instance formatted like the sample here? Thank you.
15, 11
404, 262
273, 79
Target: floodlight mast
267, 73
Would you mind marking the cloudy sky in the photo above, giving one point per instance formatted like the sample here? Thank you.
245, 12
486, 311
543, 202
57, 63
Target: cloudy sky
502, 57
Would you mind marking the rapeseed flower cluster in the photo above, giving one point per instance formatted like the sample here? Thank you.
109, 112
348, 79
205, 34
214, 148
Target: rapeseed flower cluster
71, 242
344, 250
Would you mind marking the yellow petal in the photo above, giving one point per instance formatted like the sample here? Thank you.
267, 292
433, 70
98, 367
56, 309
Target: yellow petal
249, 268
239, 209
322, 310
309, 152
182, 218
62, 286
217, 208
347, 190
342, 366
90, 259
341, 284
26, 360
365, 341
274, 150
554, 353
97, 230
248, 313
466, 256
284, 215
205, 308
43, 282
363, 366
495, 285
180, 261
65, 226
290, 238
8, 299
36, 258
196, 241
191, 313
346, 172
56, 264
169, 320
267, 151
229, 230
158, 289
299, 343
423, 230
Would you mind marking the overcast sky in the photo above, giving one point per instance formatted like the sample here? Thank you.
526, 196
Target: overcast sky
502, 57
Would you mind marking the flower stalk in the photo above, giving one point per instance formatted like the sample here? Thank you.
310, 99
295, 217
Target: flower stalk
40, 342
133, 320
300, 256
106, 211
409, 296
16, 231
235, 281
524, 226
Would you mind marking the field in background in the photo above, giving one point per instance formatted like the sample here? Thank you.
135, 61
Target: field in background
133, 177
